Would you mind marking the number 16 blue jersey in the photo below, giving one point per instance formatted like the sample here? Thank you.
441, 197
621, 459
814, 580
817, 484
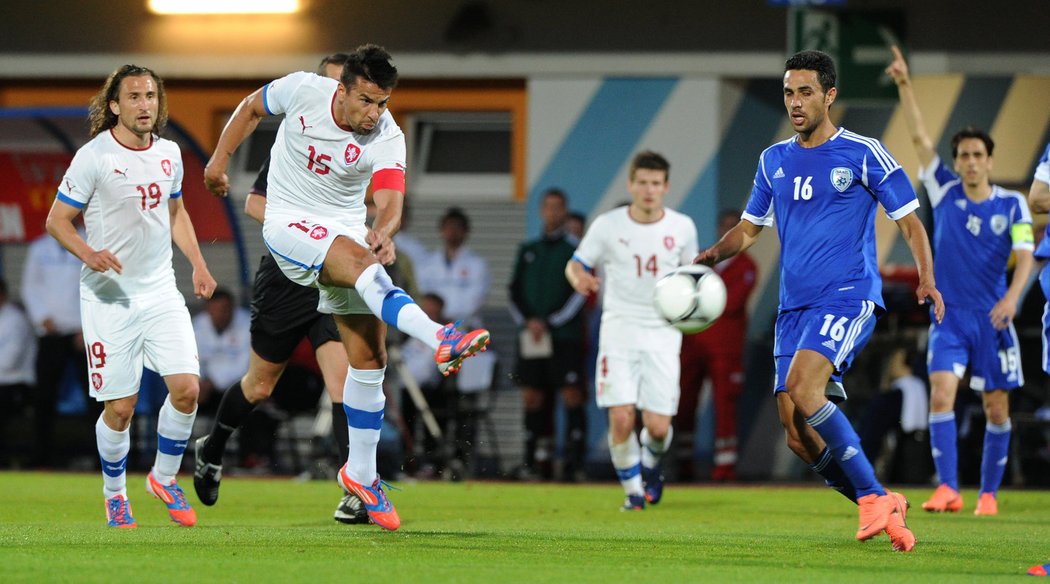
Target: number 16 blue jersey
824, 200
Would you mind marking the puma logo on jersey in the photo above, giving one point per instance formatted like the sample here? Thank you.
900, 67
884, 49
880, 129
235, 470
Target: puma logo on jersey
779, 173
123, 173
626, 242
302, 121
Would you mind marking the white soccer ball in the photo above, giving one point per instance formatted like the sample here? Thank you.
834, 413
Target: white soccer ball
690, 298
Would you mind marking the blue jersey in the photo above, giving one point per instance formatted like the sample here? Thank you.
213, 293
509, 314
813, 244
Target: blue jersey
972, 241
825, 199
1042, 173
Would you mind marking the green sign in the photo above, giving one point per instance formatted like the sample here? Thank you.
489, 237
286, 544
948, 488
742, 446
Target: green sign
859, 41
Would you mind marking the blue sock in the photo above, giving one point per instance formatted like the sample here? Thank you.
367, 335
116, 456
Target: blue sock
996, 451
844, 444
826, 467
943, 437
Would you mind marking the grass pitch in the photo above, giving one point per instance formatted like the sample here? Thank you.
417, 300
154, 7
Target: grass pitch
52, 528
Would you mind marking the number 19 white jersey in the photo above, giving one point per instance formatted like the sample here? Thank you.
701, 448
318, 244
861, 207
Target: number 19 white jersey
124, 194
632, 256
318, 166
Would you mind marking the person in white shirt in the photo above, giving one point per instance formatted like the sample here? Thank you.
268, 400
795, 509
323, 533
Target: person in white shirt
337, 140
224, 345
127, 182
17, 375
638, 352
456, 273
50, 292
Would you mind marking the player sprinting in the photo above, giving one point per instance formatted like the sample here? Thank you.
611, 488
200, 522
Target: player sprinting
975, 227
638, 352
824, 185
283, 312
127, 181
336, 138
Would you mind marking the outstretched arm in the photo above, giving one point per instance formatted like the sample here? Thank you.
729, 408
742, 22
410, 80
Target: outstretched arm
185, 237
915, 234
898, 71
742, 236
243, 122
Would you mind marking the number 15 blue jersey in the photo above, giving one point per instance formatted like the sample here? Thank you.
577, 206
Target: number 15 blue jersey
824, 200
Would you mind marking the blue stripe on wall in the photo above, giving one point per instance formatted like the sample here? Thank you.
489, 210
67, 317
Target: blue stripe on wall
604, 137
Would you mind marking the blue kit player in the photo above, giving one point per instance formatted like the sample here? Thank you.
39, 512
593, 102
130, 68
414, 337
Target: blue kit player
976, 226
823, 185
1039, 199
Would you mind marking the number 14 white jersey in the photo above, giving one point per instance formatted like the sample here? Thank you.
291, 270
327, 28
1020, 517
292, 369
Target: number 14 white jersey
632, 256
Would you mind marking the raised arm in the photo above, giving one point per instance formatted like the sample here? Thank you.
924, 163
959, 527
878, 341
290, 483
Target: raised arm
742, 236
915, 235
898, 71
184, 236
243, 122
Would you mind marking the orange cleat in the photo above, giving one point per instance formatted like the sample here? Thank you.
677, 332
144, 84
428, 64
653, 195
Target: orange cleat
901, 537
986, 505
455, 347
944, 499
174, 499
380, 510
875, 511
1040, 570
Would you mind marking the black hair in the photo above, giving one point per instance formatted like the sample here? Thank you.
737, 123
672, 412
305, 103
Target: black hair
556, 192
972, 132
817, 61
652, 161
339, 59
372, 63
455, 214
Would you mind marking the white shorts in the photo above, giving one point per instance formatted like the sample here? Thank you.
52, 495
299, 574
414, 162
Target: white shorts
122, 337
299, 243
643, 371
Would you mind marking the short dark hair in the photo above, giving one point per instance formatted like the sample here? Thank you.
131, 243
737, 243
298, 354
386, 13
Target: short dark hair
435, 297
556, 192
652, 161
817, 61
339, 59
372, 63
971, 132
455, 214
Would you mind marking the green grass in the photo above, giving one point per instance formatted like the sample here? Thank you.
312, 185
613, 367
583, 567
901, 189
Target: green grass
52, 528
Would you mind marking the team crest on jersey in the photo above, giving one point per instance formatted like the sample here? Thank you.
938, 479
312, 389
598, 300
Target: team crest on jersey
669, 242
352, 153
841, 178
96, 380
998, 224
319, 232
165, 165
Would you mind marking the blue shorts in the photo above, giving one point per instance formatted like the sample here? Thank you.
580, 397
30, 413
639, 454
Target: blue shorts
838, 330
966, 338
1044, 283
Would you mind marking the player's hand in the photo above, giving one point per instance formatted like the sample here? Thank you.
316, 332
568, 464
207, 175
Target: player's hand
707, 257
382, 247
898, 69
203, 284
216, 181
927, 292
103, 260
1003, 313
587, 283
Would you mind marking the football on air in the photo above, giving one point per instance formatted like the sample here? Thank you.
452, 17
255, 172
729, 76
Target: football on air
690, 298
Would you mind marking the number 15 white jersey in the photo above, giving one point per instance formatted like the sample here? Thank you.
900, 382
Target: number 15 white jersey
632, 256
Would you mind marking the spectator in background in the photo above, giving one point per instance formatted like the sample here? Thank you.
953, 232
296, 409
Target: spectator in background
903, 410
455, 272
718, 354
51, 295
224, 345
549, 315
17, 375
575, 223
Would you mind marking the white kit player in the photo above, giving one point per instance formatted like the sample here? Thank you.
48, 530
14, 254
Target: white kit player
127, 181
638, 352
337, 137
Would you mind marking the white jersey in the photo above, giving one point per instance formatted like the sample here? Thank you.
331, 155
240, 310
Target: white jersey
124, 194
633, 256
317, 165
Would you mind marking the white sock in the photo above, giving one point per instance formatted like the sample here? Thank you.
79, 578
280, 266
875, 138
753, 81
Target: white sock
394, 307
626, 459
113, 448
363, 401
653, 451
173, 432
